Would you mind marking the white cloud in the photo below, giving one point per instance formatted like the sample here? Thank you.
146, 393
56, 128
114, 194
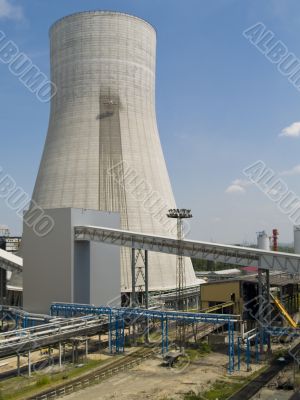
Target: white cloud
8, 10
242, 182
238, 186
293, 171
292, 130
235, 189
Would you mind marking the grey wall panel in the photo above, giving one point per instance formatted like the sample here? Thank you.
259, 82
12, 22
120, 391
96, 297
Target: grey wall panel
47, 261
103, 114
58, 269
105, 279
82, 273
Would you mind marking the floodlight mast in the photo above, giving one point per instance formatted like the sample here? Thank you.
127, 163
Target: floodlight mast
179, 215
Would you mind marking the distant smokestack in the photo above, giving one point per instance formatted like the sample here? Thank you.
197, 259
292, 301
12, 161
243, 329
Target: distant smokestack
297, 239
275, 235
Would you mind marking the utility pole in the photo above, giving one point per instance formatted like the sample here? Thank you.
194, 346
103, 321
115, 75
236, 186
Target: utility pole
179, 215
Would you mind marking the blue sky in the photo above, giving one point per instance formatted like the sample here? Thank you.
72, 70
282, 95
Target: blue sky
221, 105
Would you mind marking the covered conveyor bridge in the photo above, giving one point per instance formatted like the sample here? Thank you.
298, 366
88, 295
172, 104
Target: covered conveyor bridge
236, 255
10, 262
243, 256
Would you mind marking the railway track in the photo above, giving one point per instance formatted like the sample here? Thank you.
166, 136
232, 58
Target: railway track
295, 396
98, 375
248, 391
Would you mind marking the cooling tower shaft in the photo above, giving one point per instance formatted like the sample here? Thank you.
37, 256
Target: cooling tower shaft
103, 150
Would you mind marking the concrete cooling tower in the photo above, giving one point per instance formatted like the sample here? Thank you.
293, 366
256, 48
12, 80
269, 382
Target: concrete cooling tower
103, 150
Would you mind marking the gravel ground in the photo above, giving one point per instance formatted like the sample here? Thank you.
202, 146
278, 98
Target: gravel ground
152, 381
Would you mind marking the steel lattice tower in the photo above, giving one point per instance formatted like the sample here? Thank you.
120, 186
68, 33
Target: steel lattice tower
179, 215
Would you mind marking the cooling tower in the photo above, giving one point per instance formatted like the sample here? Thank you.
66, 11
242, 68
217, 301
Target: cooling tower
103, 150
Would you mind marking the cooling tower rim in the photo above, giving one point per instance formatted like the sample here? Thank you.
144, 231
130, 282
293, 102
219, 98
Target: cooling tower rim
101, 12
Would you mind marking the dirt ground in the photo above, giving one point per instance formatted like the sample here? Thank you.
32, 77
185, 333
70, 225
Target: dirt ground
150, 380
10, 363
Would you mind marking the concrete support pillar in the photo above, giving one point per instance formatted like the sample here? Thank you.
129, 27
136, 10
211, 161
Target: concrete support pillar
133, 299
100, 346
73, 353
49, 355
18, 364
242, 329
76, 353
29, 364
86, 349
260, 310
60, 354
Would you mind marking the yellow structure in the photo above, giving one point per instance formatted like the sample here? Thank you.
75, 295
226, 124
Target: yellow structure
214, 293
235, 294
284, 312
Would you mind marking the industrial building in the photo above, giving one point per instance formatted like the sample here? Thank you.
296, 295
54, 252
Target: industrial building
111, 261
11, 285
241, 293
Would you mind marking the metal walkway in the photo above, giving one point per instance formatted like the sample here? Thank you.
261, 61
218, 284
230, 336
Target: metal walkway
244, 256
72, 309
23, 340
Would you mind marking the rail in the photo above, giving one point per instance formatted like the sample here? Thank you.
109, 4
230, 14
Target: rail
97, 376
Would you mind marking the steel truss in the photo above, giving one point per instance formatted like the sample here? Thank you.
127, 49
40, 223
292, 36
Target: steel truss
139, 278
